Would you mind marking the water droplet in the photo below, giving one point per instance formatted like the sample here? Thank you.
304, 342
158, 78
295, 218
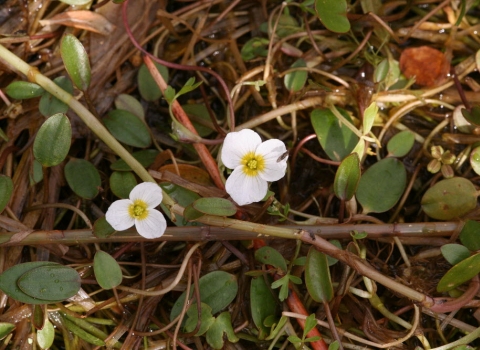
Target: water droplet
52, 275
56, 281
61, 288
43, 290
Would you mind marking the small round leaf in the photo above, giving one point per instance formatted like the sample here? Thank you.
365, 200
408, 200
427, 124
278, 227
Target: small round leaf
449, 199
82, 177
127, 128
53, 139
400, 144
76, 61
107, 270
382, 185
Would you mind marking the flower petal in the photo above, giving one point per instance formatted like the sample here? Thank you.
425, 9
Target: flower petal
148, 192
237, 145
245, 189
153, 226
118, 216
275, 167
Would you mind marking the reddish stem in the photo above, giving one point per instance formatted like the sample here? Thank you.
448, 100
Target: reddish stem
181, 66
182, 117
295, 305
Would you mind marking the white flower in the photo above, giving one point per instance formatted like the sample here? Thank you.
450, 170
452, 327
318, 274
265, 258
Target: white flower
139, 210
254, 163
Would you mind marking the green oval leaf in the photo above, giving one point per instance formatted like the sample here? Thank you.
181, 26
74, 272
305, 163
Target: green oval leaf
102, 229
317, 276
21, 90
460, 273
145, 157
147, 86
449, 199
107, 271
268, 255
470, 235
53, 139
6, 190
295, 81
8, 282
454, 253
333, 14
82, 177
217, 290
122, 183
262, 305
400, 144
347, 177
127, 128
49, 104
215, 206
382, 185
130, 104
46, 335
475, 160
56, 282
337, 140
76, 62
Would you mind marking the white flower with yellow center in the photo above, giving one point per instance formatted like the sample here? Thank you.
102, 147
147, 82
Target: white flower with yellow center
139, 210
254, 163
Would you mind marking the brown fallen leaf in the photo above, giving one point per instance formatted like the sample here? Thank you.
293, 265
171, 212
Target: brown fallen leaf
427, 65
87, 20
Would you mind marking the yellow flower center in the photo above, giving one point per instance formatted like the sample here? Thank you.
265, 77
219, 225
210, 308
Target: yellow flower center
252, 164
138, 210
